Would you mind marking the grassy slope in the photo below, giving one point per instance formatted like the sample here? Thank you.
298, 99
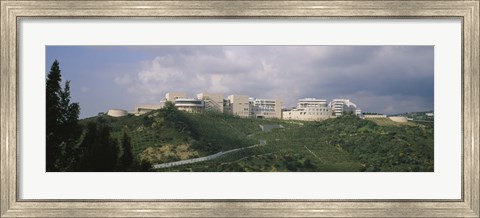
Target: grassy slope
293, 148
300, 146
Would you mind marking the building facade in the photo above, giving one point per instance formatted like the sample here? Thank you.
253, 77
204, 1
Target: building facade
318, 109
143, 109
171, 96
244, 106
374, 116
117, 113
238, 105
189, 104
309, 109
265, 108
341, 106
213, 102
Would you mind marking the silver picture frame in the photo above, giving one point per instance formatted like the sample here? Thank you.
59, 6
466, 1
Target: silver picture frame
12, 11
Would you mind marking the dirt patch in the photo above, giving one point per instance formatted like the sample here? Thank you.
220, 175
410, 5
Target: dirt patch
167, 153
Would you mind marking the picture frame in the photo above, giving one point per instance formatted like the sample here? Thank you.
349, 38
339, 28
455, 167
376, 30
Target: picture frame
13, 11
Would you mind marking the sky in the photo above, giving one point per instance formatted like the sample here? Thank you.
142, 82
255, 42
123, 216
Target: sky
381, 79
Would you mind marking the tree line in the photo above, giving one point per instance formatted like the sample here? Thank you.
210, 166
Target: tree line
81, 148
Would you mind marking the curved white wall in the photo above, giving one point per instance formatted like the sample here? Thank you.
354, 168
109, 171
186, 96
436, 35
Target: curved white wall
399, 119
117, 113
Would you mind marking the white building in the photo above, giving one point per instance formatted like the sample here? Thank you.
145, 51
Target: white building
341, 106
265, 108
171, 96
142, 109
244, 106
117, 113
213, 102
309, 109
319, 109
189, 104
374, 116
237, 105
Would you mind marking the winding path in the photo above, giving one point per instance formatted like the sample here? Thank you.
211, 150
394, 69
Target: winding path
201, 159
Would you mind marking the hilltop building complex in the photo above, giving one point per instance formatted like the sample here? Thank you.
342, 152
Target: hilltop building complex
248, 107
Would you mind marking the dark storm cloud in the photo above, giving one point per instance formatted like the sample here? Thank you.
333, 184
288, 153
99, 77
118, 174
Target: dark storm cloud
404, 73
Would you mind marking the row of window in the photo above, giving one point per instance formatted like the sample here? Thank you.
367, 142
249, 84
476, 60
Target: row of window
317, 109
188, 102
310, 113
313, 105
264, 109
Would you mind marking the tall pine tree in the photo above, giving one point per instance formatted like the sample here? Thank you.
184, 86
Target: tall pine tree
62, 127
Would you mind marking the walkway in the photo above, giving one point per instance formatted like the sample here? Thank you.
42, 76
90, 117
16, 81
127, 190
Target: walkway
206, 158
313, 153
268, 128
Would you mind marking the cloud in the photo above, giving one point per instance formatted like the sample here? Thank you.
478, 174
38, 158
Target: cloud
386, 79
123, 80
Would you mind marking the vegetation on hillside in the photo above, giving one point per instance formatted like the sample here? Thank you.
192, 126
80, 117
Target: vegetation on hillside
382, 148
346, 143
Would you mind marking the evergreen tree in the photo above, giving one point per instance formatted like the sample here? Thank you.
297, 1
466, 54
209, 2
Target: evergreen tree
85, 150
62, 127
126, 160
107, 151
70, 130
53, 91
99, 150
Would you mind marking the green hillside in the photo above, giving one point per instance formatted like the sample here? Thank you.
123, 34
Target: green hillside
344, 144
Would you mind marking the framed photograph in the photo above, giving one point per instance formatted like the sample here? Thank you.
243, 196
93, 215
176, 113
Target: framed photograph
244, 108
